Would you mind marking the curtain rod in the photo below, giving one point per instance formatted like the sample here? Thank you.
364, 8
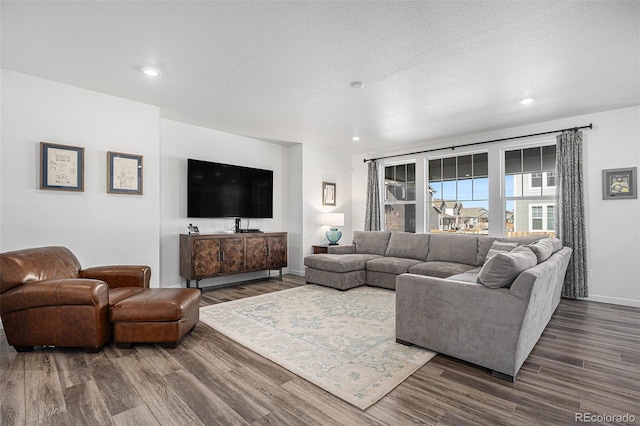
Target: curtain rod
590, 126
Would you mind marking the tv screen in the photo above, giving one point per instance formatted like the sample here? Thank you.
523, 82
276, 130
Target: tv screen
224, 190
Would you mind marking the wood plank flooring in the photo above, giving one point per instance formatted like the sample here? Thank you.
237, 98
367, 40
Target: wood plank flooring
587, 361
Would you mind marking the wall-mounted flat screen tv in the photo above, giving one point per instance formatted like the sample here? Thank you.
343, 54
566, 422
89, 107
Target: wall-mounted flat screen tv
216, 190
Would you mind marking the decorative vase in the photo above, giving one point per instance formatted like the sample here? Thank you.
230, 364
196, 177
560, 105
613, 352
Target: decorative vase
333, 235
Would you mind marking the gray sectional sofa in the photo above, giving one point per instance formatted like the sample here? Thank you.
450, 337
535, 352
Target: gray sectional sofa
481, 299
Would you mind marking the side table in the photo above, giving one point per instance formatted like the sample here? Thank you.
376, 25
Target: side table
320, 248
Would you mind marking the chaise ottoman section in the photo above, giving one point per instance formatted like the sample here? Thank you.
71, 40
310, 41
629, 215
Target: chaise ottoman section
340, 271
155, 315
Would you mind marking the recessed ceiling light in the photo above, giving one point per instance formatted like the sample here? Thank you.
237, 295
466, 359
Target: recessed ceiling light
357, 84
151, 72
526, 101
355, 138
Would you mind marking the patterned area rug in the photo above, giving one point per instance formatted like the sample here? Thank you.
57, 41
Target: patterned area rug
342, 341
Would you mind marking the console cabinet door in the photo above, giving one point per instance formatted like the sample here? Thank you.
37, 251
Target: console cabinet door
206, 257
232, 257
276, 252
256, 256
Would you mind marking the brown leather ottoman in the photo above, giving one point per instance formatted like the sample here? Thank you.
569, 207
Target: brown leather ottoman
155, 315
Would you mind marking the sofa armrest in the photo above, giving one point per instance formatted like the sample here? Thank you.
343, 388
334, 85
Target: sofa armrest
461, 319
458, 299
120, 275
342, 249
58, 292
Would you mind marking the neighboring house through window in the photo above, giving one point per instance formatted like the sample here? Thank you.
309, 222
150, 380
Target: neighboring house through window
542, 218
529, 190
400, 197
459, 194
544, 180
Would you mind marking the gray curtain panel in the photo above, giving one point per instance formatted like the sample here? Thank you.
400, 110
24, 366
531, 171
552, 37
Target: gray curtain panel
570, 223
372, 213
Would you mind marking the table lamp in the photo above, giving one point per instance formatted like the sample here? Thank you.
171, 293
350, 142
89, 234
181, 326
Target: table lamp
334, 220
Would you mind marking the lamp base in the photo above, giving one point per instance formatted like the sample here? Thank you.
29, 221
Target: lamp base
333, 235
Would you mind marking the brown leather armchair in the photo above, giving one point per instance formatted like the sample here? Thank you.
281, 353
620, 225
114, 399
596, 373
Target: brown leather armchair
46, 299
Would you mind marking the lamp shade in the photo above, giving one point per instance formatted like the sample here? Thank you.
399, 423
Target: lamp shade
333, 219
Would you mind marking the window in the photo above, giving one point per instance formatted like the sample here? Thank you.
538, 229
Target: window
455, 189
529, 190
542, 218
543, 179
459, 194
400, 197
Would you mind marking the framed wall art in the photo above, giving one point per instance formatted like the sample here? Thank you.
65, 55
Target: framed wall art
328, 194
61, 167
620, 183
124, 173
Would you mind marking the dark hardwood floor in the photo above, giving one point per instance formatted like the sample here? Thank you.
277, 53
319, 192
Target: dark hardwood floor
587, 361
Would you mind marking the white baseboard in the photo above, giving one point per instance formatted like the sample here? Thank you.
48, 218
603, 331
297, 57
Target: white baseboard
614, 301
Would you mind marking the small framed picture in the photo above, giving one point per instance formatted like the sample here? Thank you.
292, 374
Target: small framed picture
124, 173
328, 194
61, 167
620, 183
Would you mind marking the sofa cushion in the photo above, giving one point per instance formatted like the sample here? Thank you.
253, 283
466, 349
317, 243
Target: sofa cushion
338, 262
527, 239
455, 248
545, 247
439, 269
391, 265
500, 270
408, 245
118, 294
371, 242
500, 247
471, 276
484, 244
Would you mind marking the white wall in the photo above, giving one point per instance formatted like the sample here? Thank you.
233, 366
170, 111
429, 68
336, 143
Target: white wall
613, 231
99, 228
323, 165
613, 226
178, 142
296, 201
106, 228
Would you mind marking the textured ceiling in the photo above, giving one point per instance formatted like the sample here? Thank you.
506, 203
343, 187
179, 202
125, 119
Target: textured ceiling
281, 71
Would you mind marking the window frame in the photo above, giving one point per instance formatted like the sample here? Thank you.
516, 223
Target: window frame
539, 199
386, 203
427, 182
495, 173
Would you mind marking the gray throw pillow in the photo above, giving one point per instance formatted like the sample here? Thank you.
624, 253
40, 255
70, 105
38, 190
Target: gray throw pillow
545, 247
503, 268
499, 247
